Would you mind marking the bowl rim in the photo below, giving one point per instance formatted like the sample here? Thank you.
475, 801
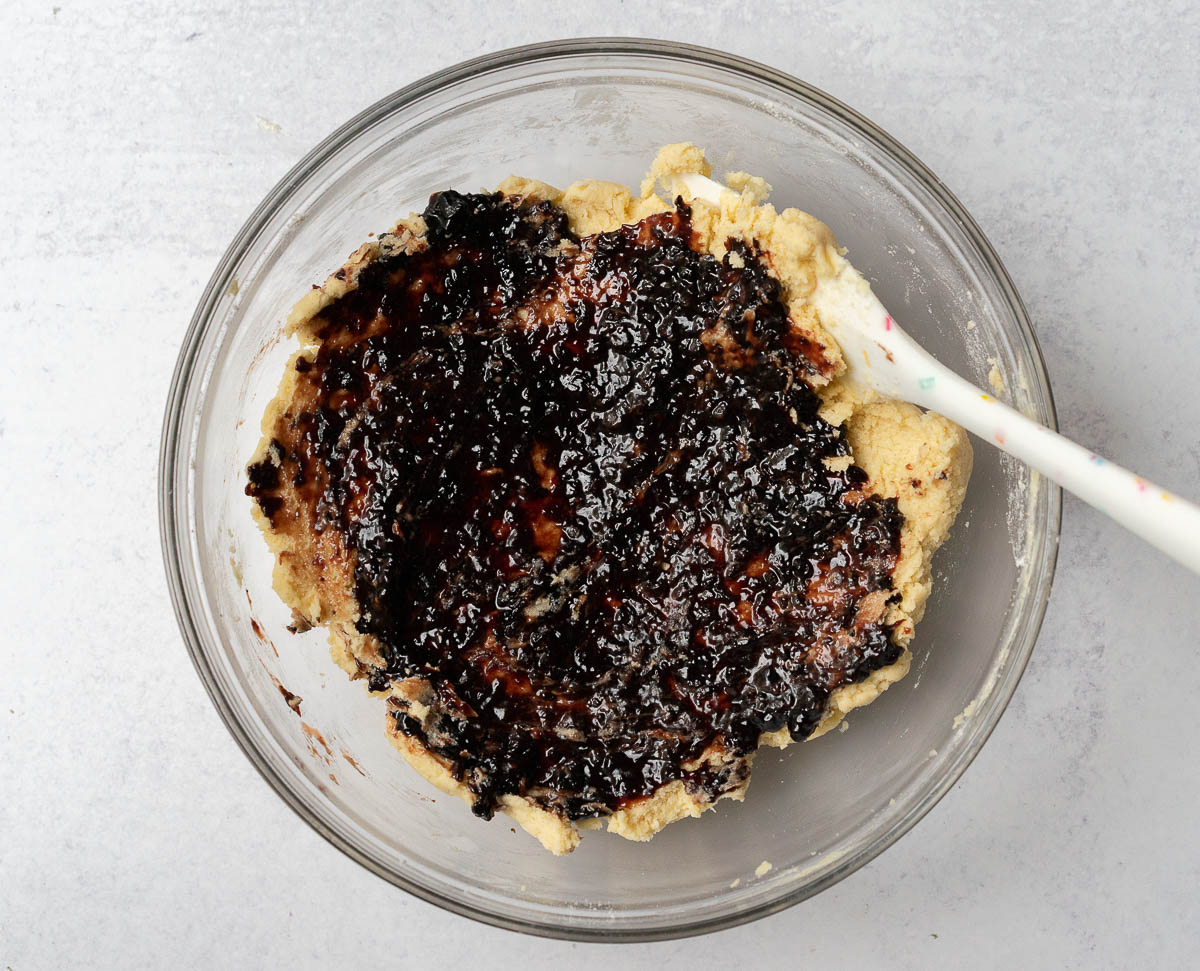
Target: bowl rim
563, 50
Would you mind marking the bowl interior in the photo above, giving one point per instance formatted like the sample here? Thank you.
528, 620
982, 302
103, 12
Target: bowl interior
814, 812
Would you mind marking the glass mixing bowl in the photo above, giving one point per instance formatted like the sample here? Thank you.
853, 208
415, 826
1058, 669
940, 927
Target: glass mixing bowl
559, 112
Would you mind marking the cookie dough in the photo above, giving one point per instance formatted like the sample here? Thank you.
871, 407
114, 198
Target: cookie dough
917, 460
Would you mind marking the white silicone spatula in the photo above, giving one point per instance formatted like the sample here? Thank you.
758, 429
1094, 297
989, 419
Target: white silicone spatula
880, 355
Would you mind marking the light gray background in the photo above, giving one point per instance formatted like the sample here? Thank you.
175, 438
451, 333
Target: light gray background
137, 137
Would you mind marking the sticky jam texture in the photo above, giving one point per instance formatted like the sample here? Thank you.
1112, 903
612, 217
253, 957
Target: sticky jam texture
584, 484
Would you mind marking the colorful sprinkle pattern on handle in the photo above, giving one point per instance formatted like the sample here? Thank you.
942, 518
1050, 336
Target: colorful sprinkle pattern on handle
1156, 514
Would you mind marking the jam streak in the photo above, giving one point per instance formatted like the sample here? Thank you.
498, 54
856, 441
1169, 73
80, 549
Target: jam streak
585, 485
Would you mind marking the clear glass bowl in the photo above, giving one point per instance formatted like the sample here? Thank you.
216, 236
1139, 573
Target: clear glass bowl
558, 112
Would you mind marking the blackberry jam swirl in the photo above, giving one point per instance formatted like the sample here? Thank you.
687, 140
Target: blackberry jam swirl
588, 502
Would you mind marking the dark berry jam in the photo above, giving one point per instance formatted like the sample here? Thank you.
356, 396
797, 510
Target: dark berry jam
584, 484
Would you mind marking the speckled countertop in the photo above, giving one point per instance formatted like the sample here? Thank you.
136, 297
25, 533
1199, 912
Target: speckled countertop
139, 136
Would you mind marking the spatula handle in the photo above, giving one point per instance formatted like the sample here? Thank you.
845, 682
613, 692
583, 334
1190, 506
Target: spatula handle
1157, 515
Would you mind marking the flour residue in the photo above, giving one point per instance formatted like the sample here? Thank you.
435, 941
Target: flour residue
988, 686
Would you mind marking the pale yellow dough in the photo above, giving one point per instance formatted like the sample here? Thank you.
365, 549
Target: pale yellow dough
921, 459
